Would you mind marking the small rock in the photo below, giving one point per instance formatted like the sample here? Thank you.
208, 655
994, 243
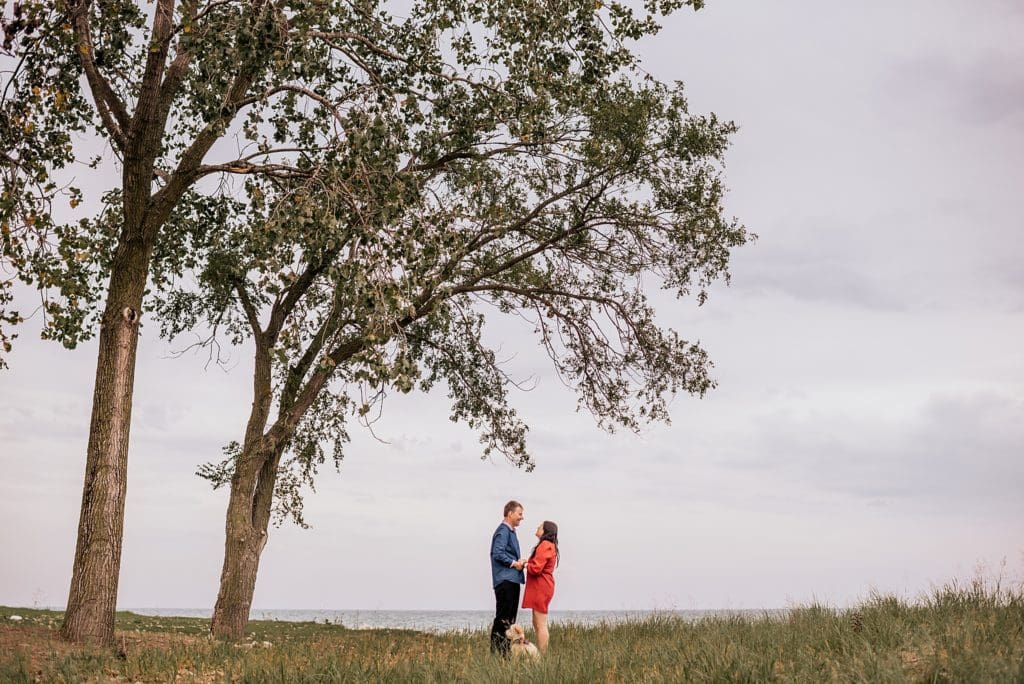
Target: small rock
266, 644
16, 618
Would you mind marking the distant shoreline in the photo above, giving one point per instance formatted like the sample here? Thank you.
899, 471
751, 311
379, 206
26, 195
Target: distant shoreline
438, 621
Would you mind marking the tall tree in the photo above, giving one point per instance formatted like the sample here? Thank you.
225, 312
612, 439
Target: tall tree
522, 160
156, 85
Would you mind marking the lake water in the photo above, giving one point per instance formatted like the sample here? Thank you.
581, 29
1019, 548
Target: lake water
454, 620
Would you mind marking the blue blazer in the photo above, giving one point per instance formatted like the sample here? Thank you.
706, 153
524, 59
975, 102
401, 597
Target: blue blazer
505, 552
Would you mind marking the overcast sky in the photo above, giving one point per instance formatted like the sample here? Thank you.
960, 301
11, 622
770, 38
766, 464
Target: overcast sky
867, 431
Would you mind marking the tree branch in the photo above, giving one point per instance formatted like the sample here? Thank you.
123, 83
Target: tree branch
148, 107
173, 78
293, 88
331, 38
186, 172
241, 166
485, 237
206, 10
294, 292
112, 111
297, 373
251, 313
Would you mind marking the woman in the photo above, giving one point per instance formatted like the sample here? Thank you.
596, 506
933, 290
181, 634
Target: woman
540, 579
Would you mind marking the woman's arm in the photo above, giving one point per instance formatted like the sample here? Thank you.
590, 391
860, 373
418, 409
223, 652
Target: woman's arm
540, 560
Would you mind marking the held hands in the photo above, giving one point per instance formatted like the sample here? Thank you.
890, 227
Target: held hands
519, 564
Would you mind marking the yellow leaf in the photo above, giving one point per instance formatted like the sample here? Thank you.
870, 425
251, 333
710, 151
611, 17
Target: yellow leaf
84, 49
75, 202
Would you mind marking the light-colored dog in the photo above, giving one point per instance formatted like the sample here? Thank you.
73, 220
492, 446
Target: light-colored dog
520, 647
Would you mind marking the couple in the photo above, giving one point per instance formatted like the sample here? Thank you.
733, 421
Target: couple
507, 574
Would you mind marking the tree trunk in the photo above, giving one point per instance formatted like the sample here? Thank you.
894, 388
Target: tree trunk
246, 535
242, 549
92, 598
246, 527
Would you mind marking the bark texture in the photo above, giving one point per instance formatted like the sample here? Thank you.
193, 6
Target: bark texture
245, 537
92, 599
243, 546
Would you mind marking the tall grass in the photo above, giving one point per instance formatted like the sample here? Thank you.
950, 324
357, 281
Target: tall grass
958, 633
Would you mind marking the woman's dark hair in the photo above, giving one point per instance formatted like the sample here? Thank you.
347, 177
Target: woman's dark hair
551, 535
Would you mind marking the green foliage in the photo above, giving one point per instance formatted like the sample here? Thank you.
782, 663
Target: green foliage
485, 152
388, 176
219, 474
41, 111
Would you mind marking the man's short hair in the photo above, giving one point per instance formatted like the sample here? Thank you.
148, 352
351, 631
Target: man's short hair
511, 506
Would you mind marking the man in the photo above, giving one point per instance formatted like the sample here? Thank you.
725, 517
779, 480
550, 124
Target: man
506, 574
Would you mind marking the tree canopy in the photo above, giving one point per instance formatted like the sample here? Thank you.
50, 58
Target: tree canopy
536, 170
388, 163
351, 185
281, 79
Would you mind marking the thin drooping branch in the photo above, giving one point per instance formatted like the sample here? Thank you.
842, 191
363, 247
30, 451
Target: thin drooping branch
468, 153
373, 74
334, 36
546, 291
331, 38
543, 245
545, 296
488, 235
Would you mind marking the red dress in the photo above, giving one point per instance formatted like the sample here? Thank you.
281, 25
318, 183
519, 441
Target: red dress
540, 578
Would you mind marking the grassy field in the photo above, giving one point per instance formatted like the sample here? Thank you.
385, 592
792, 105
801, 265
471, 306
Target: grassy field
958, 634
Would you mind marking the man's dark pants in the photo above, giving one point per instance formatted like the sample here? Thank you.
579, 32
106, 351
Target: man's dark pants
506, 600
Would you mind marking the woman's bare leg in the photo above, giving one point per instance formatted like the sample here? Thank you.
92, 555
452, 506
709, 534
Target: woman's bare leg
540, 626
